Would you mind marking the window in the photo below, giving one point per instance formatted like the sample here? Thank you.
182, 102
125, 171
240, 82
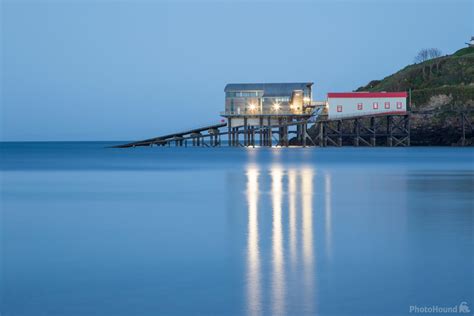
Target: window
376, 105
399, 105
339, 108
282, 99
360, 106
243, 94
387, 105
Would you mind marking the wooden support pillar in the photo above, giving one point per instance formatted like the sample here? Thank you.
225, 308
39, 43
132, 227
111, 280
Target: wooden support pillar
373, 131
269, 136
339, 131
245, 132
279, 132
325, 138
253, 136
389, 131
356, 132
229, 131
298, 133
266, 136
321, 134
303, 131
407, 126
237, 136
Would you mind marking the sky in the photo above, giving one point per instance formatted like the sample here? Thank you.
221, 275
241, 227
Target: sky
127, 70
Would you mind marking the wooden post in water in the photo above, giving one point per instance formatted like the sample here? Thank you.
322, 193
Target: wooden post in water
229, 131
356, 132
389, 131
269, 137
245, 132
373, 131
303, 131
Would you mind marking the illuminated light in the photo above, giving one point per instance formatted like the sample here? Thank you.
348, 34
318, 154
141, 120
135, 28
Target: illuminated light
276, 106
306, 99
252, 106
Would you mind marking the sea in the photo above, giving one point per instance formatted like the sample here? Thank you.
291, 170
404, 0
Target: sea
91, 230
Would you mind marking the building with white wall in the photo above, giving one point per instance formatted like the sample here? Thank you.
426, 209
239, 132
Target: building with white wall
353, 104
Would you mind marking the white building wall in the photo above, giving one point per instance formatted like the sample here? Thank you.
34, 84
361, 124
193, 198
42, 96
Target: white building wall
353, 106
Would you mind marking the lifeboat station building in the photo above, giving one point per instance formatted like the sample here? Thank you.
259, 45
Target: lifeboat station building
257, 108
267, 103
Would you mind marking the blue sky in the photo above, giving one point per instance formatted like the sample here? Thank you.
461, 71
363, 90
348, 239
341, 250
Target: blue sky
124, 70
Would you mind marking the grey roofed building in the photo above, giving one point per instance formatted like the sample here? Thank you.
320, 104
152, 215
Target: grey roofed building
274, 99
269, 89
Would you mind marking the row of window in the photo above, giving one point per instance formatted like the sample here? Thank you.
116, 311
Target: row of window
243, 94
256, 95
279, 99
375, 106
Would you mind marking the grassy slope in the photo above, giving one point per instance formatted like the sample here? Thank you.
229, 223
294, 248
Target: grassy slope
451, 75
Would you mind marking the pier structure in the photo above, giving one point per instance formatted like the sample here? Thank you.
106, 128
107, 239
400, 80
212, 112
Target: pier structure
196, 137
390, 130
376, 130
284, 114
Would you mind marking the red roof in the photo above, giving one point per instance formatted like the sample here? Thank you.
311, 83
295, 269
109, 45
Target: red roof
367, 95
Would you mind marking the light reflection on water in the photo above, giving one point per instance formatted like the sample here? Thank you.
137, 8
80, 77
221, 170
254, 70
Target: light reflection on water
299, 184
328, 213
253, 255
278, 272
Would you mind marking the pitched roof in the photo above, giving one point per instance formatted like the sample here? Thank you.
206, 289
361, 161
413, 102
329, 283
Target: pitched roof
269, 89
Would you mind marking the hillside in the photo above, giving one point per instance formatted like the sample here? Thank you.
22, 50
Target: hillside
448, 75
440, 87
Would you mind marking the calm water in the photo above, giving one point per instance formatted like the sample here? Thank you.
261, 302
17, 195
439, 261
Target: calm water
182, 231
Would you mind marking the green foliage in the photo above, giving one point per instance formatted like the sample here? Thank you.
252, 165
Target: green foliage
464, 51
459, 95
451, 75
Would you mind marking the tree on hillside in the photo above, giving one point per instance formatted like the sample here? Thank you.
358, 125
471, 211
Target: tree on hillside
434, 53
427, 54
422, 56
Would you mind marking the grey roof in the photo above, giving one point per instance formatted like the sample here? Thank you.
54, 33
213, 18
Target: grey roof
270, 89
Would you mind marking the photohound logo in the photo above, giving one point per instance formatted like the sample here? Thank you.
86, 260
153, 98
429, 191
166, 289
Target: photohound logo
462, 308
